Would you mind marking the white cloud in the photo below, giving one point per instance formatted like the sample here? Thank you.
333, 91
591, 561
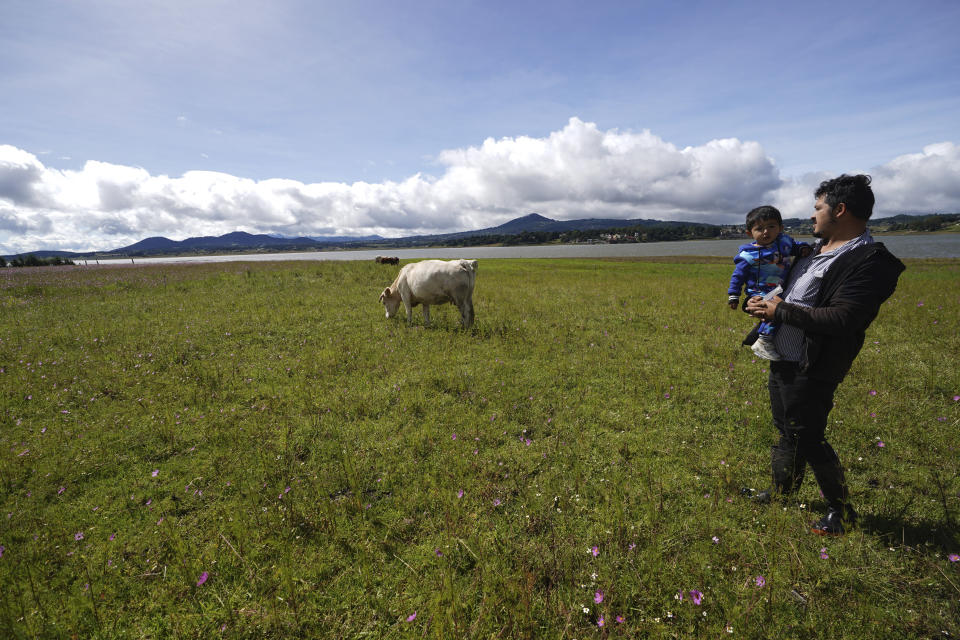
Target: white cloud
582, 170
794, 198
576, 172
926, 182
20, 173
916, 183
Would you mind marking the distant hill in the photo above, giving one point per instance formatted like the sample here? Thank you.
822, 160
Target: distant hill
227, 242
535, 223
155, 243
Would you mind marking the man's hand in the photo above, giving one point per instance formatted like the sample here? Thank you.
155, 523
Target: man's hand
763, 309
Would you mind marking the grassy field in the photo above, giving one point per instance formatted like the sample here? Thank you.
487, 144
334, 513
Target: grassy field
253, 450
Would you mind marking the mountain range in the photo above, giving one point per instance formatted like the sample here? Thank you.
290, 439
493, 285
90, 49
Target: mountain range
238, 241
242, 241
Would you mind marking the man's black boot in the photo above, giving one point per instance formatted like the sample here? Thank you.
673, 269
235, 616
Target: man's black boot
840, 515
836, 522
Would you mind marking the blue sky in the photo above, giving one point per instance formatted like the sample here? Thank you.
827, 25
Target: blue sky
126, 119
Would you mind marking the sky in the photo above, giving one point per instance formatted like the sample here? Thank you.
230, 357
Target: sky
124, 120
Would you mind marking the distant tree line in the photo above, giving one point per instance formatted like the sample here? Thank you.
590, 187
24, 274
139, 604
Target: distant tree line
33, 261
927, 223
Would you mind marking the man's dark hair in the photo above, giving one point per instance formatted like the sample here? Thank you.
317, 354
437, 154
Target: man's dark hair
853, 191
762, 214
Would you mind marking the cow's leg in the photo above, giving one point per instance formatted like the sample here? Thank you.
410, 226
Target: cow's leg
466, 313
426, 315
409, 307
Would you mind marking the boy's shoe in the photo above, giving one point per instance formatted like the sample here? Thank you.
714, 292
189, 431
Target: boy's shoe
764, 348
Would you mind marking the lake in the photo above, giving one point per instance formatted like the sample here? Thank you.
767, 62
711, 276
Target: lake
944, 245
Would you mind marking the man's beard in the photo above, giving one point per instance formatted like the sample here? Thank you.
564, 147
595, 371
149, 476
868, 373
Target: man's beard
830, 220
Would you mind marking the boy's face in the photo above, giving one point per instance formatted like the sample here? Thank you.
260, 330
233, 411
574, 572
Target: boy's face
765, 231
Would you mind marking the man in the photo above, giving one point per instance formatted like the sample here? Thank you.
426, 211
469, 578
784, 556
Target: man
829, 300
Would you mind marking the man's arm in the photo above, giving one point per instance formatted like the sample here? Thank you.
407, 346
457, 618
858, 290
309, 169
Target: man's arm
854, 305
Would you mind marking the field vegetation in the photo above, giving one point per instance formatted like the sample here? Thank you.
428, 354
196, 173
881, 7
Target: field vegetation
252, 450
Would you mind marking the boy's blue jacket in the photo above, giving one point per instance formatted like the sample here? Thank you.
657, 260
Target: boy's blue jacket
760, 269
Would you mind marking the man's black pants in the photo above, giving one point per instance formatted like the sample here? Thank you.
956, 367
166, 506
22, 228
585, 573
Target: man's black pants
800, 406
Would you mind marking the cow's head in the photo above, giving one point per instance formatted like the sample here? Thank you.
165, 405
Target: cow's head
391, 301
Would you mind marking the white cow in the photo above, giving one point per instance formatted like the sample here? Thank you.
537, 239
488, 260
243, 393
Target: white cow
433, 282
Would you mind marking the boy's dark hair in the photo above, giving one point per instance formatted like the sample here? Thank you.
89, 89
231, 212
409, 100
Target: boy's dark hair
853, 191
761, 214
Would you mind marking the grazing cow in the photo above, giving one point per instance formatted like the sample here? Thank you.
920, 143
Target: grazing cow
433, 282
386, 260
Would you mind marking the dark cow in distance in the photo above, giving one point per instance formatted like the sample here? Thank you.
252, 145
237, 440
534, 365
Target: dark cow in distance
387, 260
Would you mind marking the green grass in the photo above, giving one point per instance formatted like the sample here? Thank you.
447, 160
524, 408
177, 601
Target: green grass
310, 454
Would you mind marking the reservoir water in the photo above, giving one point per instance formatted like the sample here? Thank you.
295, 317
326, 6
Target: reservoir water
944, 245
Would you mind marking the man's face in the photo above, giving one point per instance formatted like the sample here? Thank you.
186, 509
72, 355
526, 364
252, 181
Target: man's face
765, 231
823, 219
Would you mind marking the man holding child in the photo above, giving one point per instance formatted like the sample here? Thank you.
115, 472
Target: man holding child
829, 299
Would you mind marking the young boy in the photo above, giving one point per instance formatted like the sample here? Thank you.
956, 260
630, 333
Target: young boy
763, 265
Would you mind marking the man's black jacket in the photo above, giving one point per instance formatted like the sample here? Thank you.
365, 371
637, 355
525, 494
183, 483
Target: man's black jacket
853, 288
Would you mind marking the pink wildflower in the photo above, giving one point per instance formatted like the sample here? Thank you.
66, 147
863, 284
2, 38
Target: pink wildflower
155, 473
598, 597
761, 581
78, 536
595, 550
412, 617
203, 578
